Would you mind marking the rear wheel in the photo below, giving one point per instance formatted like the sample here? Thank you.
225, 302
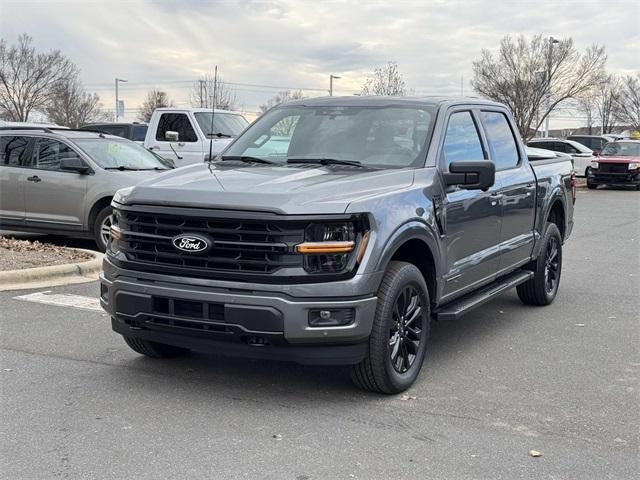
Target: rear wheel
397, 344
154, 349
543, 287
102, 228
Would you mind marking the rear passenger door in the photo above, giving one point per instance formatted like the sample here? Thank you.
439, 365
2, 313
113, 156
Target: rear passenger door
13, 156
517, 191
471, 218
54, 199
188, 149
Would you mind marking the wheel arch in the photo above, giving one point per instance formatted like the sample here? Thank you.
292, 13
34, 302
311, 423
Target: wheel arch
95, 209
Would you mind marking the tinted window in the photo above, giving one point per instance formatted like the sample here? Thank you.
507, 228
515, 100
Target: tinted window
13, 150
49, 153
118, 130
502, 144
461, 141
139, 132
176, 122
560, 147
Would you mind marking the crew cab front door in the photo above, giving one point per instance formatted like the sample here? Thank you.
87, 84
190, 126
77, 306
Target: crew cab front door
189, 147
470, 219
54, 199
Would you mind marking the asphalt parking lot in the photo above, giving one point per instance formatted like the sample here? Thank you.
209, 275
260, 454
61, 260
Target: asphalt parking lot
563, 380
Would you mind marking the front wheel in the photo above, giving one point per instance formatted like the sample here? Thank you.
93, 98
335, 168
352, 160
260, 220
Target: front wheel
397, 344
102, 228
543, 287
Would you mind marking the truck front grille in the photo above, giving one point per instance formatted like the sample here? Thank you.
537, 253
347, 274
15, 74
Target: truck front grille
613, 168
251, 246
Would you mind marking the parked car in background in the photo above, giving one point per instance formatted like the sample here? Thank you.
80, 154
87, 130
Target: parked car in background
580, 154
61, 181
595, 142
185, 134
132, 131
617, 165
374, 215
535, 154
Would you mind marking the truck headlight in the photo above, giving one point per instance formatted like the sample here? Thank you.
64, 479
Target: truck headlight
329, 247
634, 166
594, 164
121, 195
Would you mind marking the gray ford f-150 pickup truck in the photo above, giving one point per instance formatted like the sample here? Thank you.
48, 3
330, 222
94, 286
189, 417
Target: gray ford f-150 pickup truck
333, 230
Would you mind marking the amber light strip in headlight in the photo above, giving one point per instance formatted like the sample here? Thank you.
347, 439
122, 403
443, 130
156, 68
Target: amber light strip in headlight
325, 247
115, 232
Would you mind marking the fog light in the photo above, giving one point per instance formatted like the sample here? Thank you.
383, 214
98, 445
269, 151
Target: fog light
331, 318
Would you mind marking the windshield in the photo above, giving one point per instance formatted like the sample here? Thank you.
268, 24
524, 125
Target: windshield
622, 149
225, 123
112, 153
382, 137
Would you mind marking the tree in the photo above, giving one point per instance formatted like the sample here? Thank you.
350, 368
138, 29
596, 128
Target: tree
71, 106
281, 97
155, 99
627, 105
28, 77
532, 78
202, 92
598, 104
385, 80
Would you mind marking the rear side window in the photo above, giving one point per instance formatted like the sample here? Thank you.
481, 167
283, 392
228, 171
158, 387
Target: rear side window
139, 132
13, 151
461, 141
502, 144
49, 153
176, 122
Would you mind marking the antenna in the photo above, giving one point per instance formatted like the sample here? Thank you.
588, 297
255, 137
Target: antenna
213, 111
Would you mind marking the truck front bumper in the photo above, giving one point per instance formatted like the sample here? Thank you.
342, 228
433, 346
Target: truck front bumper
241, 320
631, 178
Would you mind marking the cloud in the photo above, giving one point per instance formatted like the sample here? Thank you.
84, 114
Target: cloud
293, 43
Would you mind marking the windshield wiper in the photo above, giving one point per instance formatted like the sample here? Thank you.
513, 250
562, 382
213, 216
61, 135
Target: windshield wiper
122, 168
219, 135
246, 159
326, 161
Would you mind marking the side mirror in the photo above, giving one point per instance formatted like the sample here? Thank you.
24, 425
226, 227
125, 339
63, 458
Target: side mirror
73, 164
171, 136
471, 174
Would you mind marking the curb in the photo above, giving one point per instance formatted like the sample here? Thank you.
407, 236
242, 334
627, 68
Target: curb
53, 275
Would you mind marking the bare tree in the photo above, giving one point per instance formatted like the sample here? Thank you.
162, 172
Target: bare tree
28, 77
281, 97
201, 94
532, 78
385, 80
627, 105
155, 99
70, 105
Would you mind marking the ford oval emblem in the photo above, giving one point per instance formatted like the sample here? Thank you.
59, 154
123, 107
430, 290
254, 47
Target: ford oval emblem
191, 243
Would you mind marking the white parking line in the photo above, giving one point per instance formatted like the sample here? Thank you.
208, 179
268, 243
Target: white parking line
63, 300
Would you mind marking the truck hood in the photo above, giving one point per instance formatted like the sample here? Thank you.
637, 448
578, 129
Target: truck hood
299, 189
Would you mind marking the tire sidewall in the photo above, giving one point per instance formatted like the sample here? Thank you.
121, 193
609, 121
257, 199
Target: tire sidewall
552, 231
97, 224
408, 275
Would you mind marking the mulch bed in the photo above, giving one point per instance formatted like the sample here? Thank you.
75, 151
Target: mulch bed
19, 254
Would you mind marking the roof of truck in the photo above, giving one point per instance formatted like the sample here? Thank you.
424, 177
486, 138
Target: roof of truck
380, 101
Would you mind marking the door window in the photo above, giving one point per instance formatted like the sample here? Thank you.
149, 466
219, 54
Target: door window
176, 122
13, 151
49, 153
461, 141
502, 144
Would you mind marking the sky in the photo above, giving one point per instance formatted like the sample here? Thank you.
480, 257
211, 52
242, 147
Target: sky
263, 47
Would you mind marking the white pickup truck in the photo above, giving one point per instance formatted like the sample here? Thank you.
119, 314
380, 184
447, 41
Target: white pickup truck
183, 134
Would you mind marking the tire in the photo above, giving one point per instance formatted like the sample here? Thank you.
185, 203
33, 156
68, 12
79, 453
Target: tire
591, 186
403, 293
101, 226
543, 287
153, 349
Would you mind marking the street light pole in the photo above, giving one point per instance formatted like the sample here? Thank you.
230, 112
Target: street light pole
118, 80
549, 58
331, 77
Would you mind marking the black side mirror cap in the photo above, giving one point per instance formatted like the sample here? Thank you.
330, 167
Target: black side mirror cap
74, 164
471, 174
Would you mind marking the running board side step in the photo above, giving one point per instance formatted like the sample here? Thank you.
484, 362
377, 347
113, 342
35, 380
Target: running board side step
457, 308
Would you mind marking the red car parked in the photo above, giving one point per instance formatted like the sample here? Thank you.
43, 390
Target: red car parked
618, 164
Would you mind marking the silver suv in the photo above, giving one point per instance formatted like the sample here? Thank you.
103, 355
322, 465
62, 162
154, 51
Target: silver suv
61, 181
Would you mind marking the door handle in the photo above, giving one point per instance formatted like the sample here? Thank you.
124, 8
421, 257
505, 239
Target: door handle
495, 197
34, 179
